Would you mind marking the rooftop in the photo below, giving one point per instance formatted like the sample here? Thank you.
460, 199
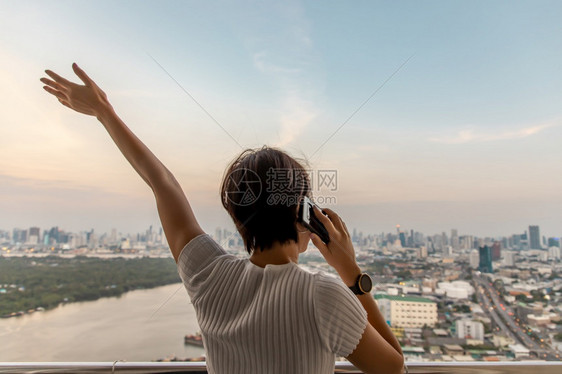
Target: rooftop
404, 298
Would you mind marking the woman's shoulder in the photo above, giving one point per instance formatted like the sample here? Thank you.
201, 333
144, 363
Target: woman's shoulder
331, 289
327, 279
200, 252
203, 239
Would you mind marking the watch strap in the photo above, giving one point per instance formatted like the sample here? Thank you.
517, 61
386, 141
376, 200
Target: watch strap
355, 288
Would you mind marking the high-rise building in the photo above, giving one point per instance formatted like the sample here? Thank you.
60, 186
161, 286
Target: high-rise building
437, 241
466, 242
35, 231
19, 236
474, 259
496, 251
411, 239
402, 237
553, 242
34, 235
455, 239
485, 265
534, 237
113, 237
54, 234
524, 241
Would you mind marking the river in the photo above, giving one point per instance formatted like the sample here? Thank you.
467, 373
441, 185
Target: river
142, 325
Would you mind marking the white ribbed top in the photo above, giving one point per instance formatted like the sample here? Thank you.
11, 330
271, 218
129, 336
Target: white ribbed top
277, 319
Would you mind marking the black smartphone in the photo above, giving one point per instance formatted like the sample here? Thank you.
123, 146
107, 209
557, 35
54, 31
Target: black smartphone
308, 219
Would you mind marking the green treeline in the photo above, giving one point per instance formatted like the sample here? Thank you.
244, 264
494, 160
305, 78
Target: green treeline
28, 283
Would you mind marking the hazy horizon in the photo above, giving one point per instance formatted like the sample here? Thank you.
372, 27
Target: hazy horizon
466, 135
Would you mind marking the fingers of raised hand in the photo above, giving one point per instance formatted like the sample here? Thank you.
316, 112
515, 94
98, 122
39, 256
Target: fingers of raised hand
65, 103
57, 78
59, 94
81, 74
53, 84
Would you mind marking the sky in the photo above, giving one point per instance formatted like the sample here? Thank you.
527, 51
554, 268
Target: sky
434, 115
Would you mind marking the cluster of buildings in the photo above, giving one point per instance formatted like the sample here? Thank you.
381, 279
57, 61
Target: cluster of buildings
55, 240
446, 297
464, 298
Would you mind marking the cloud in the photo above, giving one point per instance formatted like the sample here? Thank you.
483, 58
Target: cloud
260, 60
475, 135
288, 59
297, 109
299, 114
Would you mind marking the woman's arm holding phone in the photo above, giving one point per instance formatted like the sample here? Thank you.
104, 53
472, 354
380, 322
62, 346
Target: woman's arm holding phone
378, 350
176, 215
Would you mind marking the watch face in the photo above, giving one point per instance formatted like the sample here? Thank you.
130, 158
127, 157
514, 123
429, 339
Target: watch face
365, 283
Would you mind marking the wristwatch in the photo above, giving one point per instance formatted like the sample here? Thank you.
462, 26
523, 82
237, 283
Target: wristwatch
363, 284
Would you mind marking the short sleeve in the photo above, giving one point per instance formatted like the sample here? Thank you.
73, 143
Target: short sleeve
340, 317
196, 261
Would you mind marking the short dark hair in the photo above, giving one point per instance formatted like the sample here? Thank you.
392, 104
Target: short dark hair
261, 190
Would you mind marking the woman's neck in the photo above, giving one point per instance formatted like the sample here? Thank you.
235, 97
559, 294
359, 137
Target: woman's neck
278, 254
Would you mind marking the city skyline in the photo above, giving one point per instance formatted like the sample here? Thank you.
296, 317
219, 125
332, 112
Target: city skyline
409, 238
435, 115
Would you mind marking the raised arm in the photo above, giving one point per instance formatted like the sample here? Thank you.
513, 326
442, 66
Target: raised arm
378, 350
176, 215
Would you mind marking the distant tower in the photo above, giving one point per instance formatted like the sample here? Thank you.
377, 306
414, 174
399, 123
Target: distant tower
534, 237
35, 231
34, 235
496, 251
485, 265
444, 238
401, 236
474, 259
455, 239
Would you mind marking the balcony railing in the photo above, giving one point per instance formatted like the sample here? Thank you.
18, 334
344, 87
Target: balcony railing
535, 367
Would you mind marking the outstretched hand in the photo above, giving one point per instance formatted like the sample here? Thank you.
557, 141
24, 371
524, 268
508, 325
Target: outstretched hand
87, 99
339, 252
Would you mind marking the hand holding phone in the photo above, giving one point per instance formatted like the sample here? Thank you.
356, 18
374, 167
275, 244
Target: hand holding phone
339, 252
307, 218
